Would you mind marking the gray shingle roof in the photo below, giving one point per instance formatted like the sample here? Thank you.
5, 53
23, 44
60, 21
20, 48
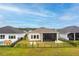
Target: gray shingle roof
43, 30
72, 29
9, 29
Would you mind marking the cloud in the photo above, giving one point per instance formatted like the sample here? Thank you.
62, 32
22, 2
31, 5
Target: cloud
68, 17
41, 13
8, 8
35, 13
70, 14
1, 18
37, 16
41, 9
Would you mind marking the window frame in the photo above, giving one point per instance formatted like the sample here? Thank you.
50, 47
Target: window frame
12, 37
35, 36
2, 36
32, 36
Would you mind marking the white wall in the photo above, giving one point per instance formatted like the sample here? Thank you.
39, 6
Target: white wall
64, 36
40, 36
13, 40
29, 36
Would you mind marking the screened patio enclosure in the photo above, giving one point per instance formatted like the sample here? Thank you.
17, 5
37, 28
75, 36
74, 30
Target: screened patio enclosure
73, 36
49, 36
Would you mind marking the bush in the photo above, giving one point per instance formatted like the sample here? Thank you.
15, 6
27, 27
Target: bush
69, 42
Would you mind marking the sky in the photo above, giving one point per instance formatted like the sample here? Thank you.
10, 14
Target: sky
35, 15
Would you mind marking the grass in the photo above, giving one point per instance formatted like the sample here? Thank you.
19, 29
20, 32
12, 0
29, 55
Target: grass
25, 44
21, 49
9, 51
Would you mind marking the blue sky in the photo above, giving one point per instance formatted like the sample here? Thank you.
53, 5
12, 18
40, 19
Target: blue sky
51, 15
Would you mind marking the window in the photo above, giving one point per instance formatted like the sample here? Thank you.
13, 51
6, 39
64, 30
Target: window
37, 36
12, 37
2, 36
34, 36
31, 36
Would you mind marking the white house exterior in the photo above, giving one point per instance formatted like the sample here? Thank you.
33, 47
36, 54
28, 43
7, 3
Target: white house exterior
9, 37
43, 35
37, 38
69, 33
63, 36
10, 34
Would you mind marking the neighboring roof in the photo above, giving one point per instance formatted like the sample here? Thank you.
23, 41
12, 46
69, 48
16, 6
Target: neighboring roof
9, 29
72, 29
43, 30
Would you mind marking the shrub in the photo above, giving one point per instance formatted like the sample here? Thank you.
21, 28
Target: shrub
69, 42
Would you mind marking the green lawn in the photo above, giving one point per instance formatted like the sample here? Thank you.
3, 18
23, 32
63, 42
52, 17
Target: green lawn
21, 49
9, 51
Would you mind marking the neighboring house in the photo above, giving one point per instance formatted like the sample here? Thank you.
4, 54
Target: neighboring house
43, 34
10, 33
69, 33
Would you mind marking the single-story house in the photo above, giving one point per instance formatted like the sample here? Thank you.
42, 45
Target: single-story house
43, 34
10, 34
69, 33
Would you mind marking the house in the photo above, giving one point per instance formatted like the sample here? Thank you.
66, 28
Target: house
10, 35
43, 34
69, 33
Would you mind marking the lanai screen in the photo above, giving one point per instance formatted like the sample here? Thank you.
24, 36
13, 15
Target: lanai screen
76, 36
71, 36
49, 36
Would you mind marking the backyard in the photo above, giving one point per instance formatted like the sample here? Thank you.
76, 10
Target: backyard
22, 49
9, 51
